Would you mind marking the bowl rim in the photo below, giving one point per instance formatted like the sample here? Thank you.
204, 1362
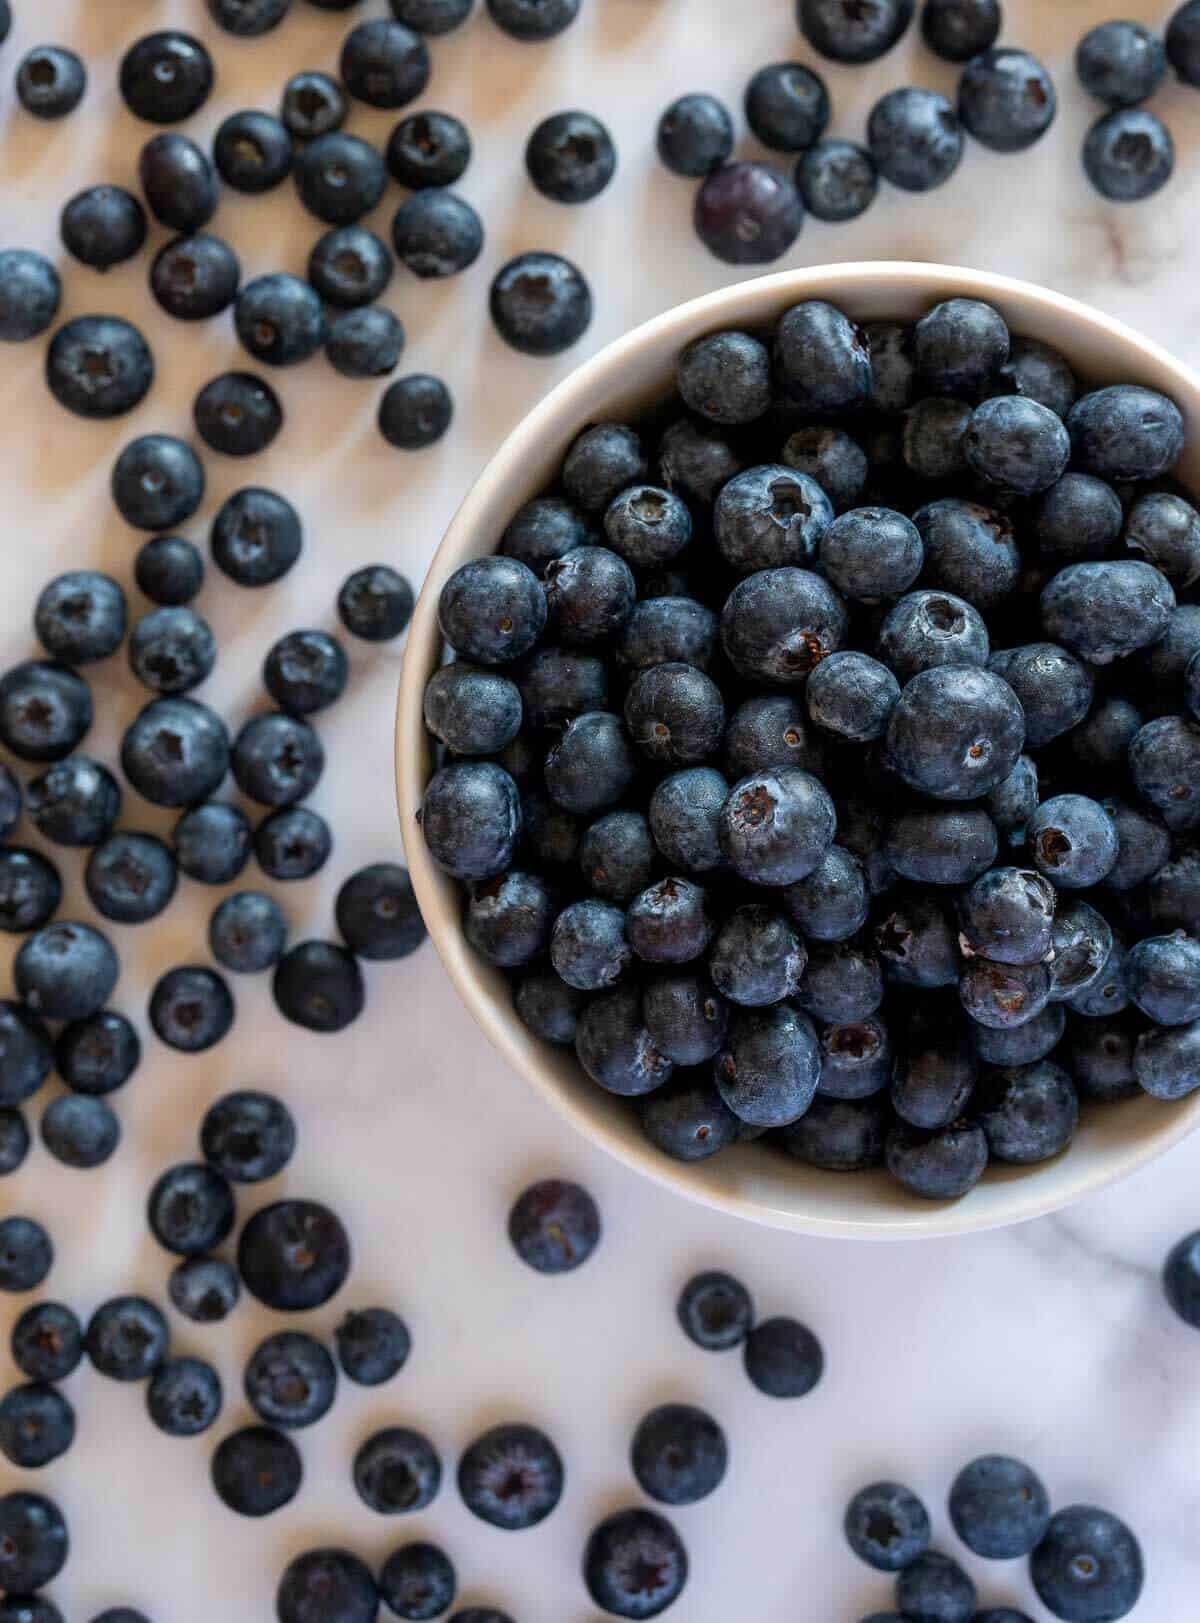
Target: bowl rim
746, 302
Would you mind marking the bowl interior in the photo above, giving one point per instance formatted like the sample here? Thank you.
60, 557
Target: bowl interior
623, 381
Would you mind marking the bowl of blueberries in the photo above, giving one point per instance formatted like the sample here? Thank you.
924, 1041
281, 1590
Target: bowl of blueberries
798, 750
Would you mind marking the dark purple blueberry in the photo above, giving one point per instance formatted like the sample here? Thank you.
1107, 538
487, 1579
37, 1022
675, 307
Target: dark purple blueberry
748, 213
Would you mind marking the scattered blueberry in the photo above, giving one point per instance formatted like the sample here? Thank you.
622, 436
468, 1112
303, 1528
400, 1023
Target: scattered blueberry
237, 414
51, 81
540, 302
30, 293
290, 1380
635, 1564
80, 1132
415, 411
195, 277
373, 1344
428, 149
999, 1507
554, 1226
511, 1477
695, 135
293, 1255
887, 1526
191, 1009
126, 1338
190, 1209
47, 1342
248, 1136
679, 1454
252, 151
1088, 1567
165, 77
783, 1358
322, 1585
256, 1471
418, 1582
37, 1425
204, 1289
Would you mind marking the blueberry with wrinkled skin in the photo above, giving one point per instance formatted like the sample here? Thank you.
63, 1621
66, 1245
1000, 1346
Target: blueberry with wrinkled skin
1129, 155
1028, 1112
756, 958
1082, 942
1088, 1568
935, 1589
856, 1059
748, 213
768, 1069
1007, 916
589, 595
1125, 432
777, 625
942, 1165
915, 940
915, 139
929, 628
615, 1048
887, 1526
670, 922
687, 1020
831, 903
1016, 443
956, 732
1004, 995
969, 550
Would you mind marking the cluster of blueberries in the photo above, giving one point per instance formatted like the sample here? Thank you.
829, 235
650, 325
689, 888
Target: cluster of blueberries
798, 815
1085, 1563
751, 213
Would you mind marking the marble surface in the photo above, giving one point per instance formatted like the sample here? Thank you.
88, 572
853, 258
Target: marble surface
1049, 1341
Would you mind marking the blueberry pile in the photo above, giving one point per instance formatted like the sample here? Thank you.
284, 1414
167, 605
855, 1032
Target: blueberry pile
1085, 1563
822, 759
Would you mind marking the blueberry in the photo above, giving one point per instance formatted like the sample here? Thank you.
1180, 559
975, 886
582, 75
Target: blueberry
554, 686
787, 106
748, 213
1164, 664
103, 226
277, 759
306, 670
768, 1068
323, 1585
725, 377
238, 414
14, 1140
290, 1380
958, 344
1006, 99
615, 1048
30, 293
415, 411
871, 553
165, 77
947, 845
1004, 995
646, 526
587, 948
375, 603
37, 1609
829, 456
1181, 1279
157, 482
695, 460
471, 817
191, 1009
74, 802
509, 919
256, 1471
1183, 42
999, 1507
770, 731
126, 1338
279, 319
511, 1477
65, 971
99, 366
942, 1165
1125, 432
783, 1358
935, 1589
635, 1564
695, 135
927, 629
252, 152
915, 139
856, 1059
1164, 529
33, 1542
540, 303
533, 19
969, 550
212, 843
428, 149
312, 105
570, 157
190, 1209
1016, 443
822, 359
933, 435
1028, 1112
183, 1397
715, 1311
956, 732
1166, 1062
1108, 993
548, 1006
679, 1454
50, 81
675, 714
377, 913
587, 771
957, 30
373, 1344
256, 537
1088, 1568
340, 178
248, 1136
47, 1342
1073, 841
839, 1135
1082, 942
670, 922
1100, 743
756, 957
172, 650
1173, 894
893, 369
848, 31
175, 752
915, 941
1101, 1054
384, 64
418, 1581
1020, 1045
1054, 688
293, 1255
37, 1425
1129, 155
492, 610
887, 1526
554, 1226
685, 812
851, 696
543, 530
80, 1132
1106, 611
687, 1021
318, 984
247, 18
1007, 916
367, 343
26, 1056
688, 1120
778, 624
195, 277
1162, 974
776, 826
770, 516
10, 802
1121, 63
204, 1289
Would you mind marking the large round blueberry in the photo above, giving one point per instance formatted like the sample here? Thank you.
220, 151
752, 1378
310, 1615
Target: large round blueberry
748, 213
1006, 99
635, 1564
195, 277
175, 752
1129, 155
126, 1338
99, 366
511, 1477
319, 985
540, 303
293, 1255
165, 77
915, 139
1088, 1567
327, 1584
248, 1136
679, 1454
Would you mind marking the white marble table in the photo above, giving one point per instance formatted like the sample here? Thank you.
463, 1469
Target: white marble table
1049, 1341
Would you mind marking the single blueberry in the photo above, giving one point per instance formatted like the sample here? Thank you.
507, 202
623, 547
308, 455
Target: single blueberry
248, 1136
319, 985
256, 1471
166, 76
695, 135
191, 1009
126, 1338
748, 213
679, 1454
252, 151
47, 1342
887, 1526
204, 1289
195, 277
635, 1564
1088, 1568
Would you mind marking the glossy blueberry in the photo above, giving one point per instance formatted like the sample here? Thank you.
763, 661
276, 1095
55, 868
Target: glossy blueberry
1129, 155
384, 64
473, 711
748, 213
695, 135
339, 177
312, 105
847, 31
375, 603
319, 985
102, 226
787, 106
635, 1564
279, 319
50, 81
247, 18
183, 1397
548, 1006
647, 526
33, 1542
166, 76
418, 1581
293, 1255
1164, 529
256, 537
1105, 611
1183, 42
1007, 916
191, 1009
957, 30
26, 1055
471, 817
126, 1338
248, 1136
415, 411
770, 516
492, 610
1121, 63
328, 1584
934, 1589
969, 550
435, 232
776, 826
1073, 841
887, 1526
290, 1380
778, 624
956, 732
256, 1471
615, 1048
1162, 975
915, 139
65, 971
307, 670
570, 157
47, 1342
852, 696
204, 1289
99, 366
30, 293
373, 1344
932, 437
428, 149
540, 303
590, 767
195, 277
252, 151
685, 813
769, 1066
958, 344
190, 1209
37, 1425
1125, 432
75, 802
942, 1165
1006, 99
238, 414
1088, 1567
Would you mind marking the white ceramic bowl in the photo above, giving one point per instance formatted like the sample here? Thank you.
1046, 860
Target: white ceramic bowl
621, 382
